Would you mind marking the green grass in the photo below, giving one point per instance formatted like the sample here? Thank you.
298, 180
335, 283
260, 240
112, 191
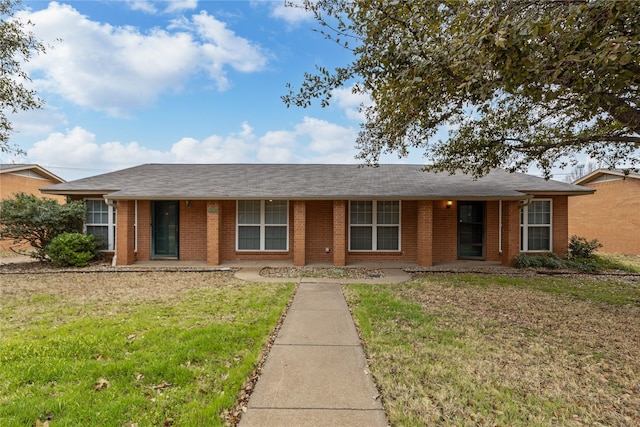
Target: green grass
464, 350
593, 264
587, 288
183, 358
628, 262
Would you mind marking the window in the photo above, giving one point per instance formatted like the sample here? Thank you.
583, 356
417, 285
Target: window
100, 222
535, 226
374, 225
263, 225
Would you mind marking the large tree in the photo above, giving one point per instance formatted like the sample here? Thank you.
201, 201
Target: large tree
515, 82
16, 47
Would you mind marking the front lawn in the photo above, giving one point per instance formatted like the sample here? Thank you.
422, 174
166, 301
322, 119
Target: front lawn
125, 349
486, 350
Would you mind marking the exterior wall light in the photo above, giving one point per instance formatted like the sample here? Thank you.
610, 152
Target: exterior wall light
449, 203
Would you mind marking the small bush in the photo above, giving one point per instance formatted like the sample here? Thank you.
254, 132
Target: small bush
592, 264
579, 247
539, 261
72, 249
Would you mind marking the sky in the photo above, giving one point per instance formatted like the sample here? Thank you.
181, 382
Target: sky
127, 82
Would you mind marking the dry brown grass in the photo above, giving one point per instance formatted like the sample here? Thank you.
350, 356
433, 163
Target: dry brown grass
503, 355
100, 290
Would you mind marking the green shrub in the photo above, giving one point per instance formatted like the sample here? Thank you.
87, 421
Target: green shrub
72, 249
579, 247
539, 261
28, 218
592, 264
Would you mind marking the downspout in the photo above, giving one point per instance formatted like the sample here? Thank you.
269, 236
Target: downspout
113, 204
135, 227
500, 227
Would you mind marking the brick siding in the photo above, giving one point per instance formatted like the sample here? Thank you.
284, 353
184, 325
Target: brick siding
611, 215
428, 233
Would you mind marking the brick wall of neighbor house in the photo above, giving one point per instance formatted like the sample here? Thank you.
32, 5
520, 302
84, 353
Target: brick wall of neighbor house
611, 215
11, 184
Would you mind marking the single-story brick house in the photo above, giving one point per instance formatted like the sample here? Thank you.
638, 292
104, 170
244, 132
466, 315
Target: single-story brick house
611, 214
338, 214
22, 178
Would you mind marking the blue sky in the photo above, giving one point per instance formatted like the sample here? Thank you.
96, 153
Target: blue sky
131, 82
128, 82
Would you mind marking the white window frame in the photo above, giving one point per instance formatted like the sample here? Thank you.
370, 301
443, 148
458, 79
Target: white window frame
524, 227
374, 226
111, 224
263, 224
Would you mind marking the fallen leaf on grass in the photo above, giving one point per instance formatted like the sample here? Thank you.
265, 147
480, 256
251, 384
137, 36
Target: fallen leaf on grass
102, 384
161, 386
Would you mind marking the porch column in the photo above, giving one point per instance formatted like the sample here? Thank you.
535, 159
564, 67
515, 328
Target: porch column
213, 232
425, 233
510, 231
299, 232
125, 229
339, 233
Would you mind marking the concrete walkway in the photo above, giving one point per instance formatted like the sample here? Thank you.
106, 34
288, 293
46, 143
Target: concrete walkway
316, 372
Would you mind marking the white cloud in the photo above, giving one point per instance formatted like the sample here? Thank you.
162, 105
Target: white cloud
223, 47
142, 5
311, 141
120, 69
169, 6
180, 5
38, 122
234, 148
293, 14
351, 102
77, 148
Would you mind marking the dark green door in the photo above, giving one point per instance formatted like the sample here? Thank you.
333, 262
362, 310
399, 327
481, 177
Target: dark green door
164, 242
471, 230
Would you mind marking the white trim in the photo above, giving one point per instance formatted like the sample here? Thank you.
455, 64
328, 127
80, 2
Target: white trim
262, 226
374, 226
524, 226
111, 224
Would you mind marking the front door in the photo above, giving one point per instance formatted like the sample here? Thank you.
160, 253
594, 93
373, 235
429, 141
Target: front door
471, 230
164, 229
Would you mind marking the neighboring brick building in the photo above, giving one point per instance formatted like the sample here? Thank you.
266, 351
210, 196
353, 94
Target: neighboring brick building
611, 214
25, 179
322, 213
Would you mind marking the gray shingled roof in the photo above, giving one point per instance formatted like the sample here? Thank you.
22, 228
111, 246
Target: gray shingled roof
305, 181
